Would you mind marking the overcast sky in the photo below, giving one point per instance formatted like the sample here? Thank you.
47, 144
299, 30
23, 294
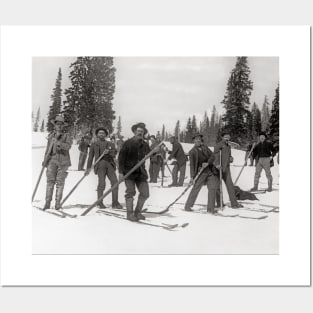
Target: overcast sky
157, 90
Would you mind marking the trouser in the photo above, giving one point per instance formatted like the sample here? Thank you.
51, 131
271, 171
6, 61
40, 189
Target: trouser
212, 182
143, 188
154, 169
106, 169
263, 163
56, 175
181, 169
82, 160
226, 176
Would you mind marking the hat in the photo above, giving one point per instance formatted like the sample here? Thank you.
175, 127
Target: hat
139, 125
152, 136
58, 118
225, 133
101, 128
263, 134
197, 135
171, 136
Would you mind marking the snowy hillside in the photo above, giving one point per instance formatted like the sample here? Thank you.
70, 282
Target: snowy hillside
206, 234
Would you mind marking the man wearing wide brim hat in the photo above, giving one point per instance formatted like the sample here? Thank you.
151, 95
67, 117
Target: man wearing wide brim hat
57, 161
264, 153
132, 152
104, 150
201, 159
178, 154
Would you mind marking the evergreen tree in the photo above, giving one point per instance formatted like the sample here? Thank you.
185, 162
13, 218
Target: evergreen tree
273, 130
33, 120
189, 131
163, 132
42, 128
166, 136
88, 102
56, 99
237, 100
36, 124
119, 128
265, 114
255, 121
177, 130
194, 126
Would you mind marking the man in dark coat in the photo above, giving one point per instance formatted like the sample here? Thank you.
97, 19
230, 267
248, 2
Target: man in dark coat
201, 157
224, 147
83, 148
178, 154
264, 153
105, 167
131, 153
154, 166
57, 161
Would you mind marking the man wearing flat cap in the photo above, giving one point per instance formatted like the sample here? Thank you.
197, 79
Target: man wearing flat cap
178, 154
57, 161
264, 153
105, 167
133, 151
201, 157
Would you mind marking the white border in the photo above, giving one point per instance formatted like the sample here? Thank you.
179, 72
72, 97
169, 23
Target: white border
19, 44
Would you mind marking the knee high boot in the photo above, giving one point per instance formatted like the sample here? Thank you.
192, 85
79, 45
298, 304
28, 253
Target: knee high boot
139, 207
49, 194
99, 195
129, 209
58, 196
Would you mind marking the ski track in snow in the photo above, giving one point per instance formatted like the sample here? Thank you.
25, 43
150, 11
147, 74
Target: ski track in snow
101, 234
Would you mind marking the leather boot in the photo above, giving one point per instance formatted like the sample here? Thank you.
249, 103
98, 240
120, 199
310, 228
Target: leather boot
270, 183
138, 209
49, 194
255, 187
100, 203
58, 197
129, 208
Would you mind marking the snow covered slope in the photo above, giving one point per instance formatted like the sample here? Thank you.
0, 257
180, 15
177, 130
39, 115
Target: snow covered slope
206, 234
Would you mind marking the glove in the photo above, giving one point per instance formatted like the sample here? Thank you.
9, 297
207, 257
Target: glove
87, 171
191, 181
231, 159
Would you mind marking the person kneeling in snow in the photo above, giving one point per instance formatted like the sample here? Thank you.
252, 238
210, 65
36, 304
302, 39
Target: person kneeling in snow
57, 161
132, 152
105, 167
202, 157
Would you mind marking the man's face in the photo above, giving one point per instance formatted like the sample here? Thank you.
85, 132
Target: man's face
58, 126
172, 140
262, 138
101, 134
139, 132
198, 141
152, 140
226, 138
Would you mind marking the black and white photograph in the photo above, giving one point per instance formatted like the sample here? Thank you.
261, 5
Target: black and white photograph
155, 155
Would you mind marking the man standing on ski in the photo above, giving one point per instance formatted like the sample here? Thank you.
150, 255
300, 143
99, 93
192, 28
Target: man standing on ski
178, 154
154, 166
57, 161
105, 167
83, 152
133, 151
201, 157
264, 154
224, 148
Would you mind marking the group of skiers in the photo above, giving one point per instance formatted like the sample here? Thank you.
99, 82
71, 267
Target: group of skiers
105, 157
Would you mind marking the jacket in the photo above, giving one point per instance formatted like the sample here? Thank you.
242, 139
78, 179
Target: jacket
226, 155
263, 150
132, 152
94, 153
83, 146
178, 154
194, 161
59, 151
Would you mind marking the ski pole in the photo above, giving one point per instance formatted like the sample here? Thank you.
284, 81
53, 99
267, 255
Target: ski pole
221, 182
42, 169
244, 164
184, 191
81, 179
121, 180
